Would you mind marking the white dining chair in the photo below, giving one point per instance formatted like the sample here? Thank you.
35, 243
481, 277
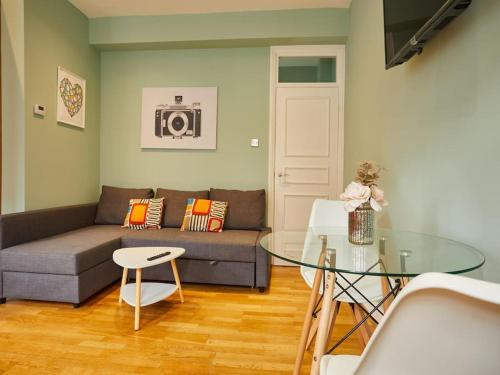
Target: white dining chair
439, 324
327, 216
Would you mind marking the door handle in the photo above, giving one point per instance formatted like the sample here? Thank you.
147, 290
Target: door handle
282, 174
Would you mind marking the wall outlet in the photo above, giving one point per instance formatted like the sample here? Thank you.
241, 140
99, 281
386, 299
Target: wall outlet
254, 142
39, 109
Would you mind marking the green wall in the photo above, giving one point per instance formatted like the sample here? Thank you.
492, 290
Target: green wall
12, 106
232, 29
189, 58
242, 78
434, 123
62, 162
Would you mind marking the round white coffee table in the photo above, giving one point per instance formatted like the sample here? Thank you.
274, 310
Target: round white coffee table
147, 293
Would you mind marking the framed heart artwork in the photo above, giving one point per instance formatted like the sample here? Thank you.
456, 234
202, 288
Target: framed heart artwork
70, 98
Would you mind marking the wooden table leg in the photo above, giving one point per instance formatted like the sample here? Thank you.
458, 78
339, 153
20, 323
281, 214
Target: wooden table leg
138, 276
324, 320
124, 281
308, 318
177, 279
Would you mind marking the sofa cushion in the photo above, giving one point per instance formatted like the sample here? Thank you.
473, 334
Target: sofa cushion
204, 215
113, 203
144, 214
175, 204
229, 245
69, 253
246, 209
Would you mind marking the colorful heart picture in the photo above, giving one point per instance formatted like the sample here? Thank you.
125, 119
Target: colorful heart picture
70, 98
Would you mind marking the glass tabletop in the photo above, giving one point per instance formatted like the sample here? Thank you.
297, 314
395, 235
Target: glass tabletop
393, 253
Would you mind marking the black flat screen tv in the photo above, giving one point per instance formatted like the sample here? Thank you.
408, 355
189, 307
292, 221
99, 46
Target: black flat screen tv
408, 24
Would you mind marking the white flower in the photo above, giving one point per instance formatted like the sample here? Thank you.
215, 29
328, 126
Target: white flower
377, 200
355, 195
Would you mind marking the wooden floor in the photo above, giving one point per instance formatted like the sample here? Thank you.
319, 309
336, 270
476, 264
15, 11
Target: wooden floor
218, 330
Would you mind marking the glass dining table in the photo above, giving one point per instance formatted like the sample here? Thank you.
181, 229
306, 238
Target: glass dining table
340, 266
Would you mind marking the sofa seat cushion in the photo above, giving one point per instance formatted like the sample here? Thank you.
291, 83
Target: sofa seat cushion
229, 245
69, 253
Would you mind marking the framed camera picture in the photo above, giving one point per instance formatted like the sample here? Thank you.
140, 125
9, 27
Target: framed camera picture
70, 98
179, 118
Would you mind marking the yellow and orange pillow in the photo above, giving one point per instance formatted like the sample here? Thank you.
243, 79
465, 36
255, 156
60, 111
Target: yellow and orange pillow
144, 214
204, 215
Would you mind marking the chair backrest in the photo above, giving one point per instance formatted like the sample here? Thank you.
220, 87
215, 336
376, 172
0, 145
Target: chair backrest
439, 324
324, 213
328, 213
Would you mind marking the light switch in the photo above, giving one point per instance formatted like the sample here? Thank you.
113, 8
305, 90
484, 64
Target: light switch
39, 109
254, 142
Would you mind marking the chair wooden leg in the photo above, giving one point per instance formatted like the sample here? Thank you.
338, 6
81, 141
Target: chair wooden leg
361, 340
385, 291
333, 317
312, 332
358, 316
367, 326
324, 320
308, 318
314, 328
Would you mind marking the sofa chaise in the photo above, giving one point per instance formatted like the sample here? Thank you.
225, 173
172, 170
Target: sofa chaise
65, 254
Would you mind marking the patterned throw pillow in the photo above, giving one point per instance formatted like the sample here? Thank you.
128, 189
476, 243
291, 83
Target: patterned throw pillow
144, 214
203, 215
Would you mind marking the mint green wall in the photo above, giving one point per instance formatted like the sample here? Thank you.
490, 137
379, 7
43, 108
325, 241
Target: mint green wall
189, 58
62, 162
222, 29
12, 106
242, 78
434, 123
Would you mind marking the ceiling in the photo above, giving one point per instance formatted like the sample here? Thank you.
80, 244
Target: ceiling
115, 8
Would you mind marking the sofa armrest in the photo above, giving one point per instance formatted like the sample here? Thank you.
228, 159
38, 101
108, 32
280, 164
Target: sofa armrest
29, 226
262, 262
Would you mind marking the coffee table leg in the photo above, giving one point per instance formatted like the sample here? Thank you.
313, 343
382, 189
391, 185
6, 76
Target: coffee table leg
124, 281
177, 279
138, 276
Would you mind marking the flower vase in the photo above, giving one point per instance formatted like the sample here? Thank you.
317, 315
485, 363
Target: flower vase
361, 223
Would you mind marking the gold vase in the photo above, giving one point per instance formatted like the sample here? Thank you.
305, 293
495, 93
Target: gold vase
361, 222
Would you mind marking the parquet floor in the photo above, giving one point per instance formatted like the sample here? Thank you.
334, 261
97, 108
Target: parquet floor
218, 330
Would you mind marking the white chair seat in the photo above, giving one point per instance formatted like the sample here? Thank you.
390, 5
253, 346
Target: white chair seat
339, 364
438, 324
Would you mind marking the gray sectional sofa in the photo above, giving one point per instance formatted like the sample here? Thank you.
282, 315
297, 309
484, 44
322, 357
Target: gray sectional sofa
65, 254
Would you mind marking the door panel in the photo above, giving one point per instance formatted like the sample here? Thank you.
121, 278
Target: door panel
307, 131
294, 206
307, 116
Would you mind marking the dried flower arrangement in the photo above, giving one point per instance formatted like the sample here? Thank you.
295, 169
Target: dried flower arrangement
364, 188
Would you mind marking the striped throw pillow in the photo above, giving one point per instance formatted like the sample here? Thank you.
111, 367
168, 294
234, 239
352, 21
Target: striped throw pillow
204, 215
144, 214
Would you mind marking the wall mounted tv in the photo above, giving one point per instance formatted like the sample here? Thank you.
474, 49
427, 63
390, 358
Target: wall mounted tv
408, 24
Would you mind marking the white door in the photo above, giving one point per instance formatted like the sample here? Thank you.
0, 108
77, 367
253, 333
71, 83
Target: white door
306, 154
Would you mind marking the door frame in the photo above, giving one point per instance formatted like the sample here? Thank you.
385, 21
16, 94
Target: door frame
337, 51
